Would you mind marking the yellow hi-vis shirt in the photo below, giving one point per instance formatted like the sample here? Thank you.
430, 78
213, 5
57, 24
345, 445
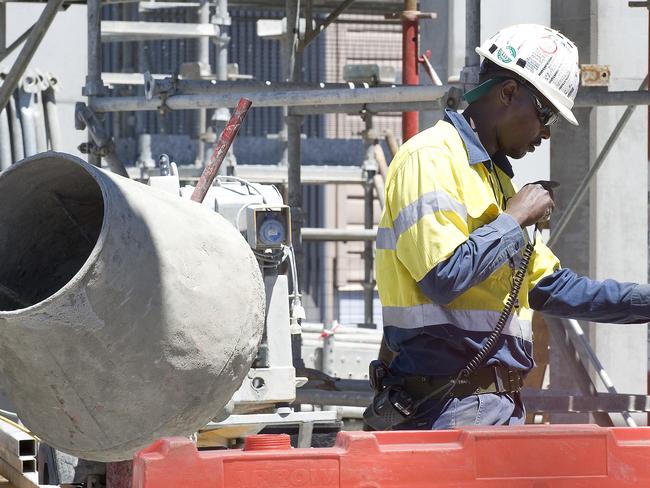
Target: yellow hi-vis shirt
441, 187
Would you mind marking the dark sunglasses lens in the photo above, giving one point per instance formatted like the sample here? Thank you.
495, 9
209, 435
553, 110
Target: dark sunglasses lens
550, 118
547, 114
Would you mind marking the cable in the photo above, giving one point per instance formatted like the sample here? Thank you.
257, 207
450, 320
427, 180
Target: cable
492, 339
239, 212
270, 259
294, 273
244, 182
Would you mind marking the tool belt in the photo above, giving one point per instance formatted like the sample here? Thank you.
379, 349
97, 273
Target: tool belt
490, 379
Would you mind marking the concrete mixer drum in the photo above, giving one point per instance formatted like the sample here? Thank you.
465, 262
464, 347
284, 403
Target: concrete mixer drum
126, 314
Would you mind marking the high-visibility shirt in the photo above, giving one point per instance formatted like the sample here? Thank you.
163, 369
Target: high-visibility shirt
441, 187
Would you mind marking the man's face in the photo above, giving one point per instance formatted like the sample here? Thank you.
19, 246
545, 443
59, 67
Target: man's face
523, 129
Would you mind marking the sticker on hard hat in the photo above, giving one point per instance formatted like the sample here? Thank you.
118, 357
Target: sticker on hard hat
548, 45
507, 54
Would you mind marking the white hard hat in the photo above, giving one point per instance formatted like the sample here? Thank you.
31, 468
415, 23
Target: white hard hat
543, 57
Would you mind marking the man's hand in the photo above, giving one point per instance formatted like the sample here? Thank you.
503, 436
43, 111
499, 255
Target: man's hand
530, 205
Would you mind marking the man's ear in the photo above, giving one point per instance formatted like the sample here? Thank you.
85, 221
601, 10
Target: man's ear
507, 92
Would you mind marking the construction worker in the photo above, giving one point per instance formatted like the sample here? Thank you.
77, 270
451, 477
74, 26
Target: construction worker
451, 238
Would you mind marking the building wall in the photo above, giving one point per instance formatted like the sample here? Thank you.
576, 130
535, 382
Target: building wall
619, 198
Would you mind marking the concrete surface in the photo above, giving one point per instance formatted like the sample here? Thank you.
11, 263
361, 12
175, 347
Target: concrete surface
132, 314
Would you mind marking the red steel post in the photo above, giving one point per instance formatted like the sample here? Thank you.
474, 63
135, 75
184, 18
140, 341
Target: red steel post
410, 63
227, 136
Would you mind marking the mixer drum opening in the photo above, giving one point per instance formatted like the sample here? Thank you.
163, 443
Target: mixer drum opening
46, 240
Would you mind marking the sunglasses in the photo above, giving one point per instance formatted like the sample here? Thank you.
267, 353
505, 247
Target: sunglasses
546, 114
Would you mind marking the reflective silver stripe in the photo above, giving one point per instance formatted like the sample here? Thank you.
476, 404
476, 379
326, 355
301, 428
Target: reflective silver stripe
385, 238
428, 203
471, 320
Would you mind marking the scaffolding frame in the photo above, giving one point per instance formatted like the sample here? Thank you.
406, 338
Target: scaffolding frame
299, 100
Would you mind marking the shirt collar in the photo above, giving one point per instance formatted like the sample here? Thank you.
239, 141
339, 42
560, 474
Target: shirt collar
476, 153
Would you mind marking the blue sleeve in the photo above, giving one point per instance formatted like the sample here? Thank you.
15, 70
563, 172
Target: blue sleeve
487, 248
565, 294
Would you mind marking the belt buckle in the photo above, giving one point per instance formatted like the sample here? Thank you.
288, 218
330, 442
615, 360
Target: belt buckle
514, 380
498, 381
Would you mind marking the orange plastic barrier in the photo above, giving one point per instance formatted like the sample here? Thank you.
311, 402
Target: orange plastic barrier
529, 456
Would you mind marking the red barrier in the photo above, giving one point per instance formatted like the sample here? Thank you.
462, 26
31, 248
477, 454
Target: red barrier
531, 456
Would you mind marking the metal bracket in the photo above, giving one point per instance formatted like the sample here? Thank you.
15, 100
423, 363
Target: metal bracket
85, 118
102, 144
314, 33
469, 76
153, 87
594, 75
411, 15
7, 51
161, 89
453, 97
94, 88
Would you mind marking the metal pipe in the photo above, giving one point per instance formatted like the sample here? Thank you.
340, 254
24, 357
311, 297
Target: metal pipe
188, 87
27, 122
391, 141
294, 185
313, 34
133, 31
312, 396
370, 167
3, 30
17, 148
35, 85
380, 158
145, 158
380, 188
410, 74
580, 348
27, 52
352, 96
472, 40
343, 235
368, 281
557, 230
586, 98
372, 108
94, 85
600, 369
535, 400
52, 115
222, 115
293, 124
469, 73
225, 140
204, 64
595, 97
292, 38
5, 140
222, 46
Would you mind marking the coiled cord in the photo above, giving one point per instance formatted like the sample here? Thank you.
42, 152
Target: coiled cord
492, 339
